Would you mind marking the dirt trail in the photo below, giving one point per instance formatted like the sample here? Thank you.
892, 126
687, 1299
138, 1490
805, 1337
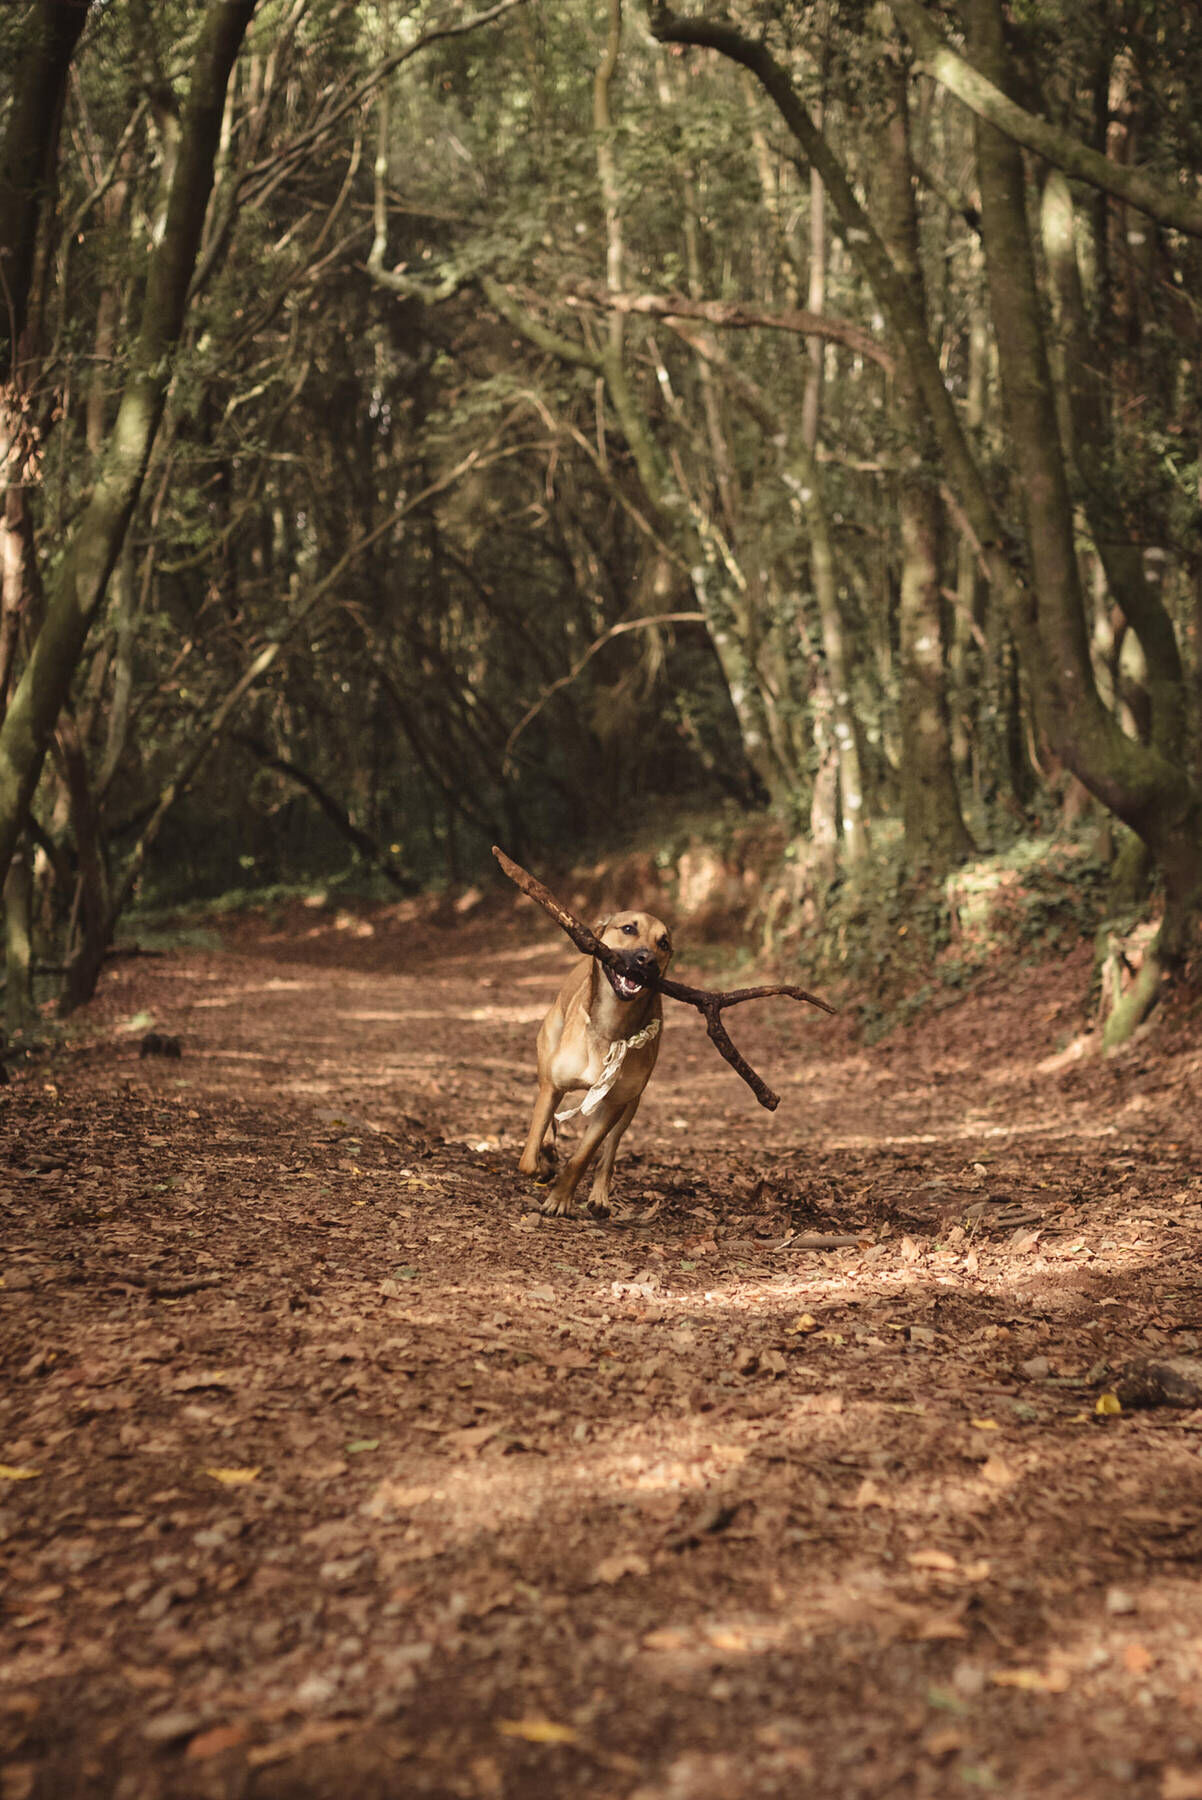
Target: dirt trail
329, 1470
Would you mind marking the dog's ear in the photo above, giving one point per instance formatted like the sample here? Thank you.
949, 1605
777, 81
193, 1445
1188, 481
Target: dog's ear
601, 924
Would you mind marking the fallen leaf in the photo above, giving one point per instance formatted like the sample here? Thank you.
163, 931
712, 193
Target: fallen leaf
317, 1731
1032, 1681
1107, 1404
18, 1779
487, 1777
869, 1494
944, 1742
830, 1402
204, 1378
612, 1568
1180, 1784
985, 1425
537, 1731
1137, 1658
471, 1439
998, 1473
665, 1637
168, 1728
941, 1628
388, 1498
213, 1742
804, 1323
8, 1473
357, 1446
932, 1559
233, 1477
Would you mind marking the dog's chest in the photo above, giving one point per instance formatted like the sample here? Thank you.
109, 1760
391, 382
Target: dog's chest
586, 1056
580, 1057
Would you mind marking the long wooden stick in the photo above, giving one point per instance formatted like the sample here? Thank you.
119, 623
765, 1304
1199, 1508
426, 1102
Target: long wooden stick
708, 1004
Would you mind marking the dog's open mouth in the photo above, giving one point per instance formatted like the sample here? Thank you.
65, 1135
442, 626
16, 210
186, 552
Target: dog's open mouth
624, 986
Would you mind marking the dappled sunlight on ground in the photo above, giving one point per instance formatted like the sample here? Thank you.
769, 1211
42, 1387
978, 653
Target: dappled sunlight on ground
334, 1468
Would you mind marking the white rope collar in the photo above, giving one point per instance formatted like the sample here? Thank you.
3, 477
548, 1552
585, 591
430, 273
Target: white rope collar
611, 1068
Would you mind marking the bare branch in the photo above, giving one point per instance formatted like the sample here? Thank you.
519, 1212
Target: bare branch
532, 712
1169, 205
707, 1003
731, 316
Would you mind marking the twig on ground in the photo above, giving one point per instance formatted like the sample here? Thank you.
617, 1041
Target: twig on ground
821, 1240
161, 1287
709, 1004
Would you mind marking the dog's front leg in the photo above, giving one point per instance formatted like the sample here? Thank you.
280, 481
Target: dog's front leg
562, 1198
599, 1202
538, 1158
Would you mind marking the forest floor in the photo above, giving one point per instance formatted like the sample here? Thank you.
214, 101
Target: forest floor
332, 1470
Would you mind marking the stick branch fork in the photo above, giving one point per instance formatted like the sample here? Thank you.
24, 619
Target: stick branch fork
708, 1004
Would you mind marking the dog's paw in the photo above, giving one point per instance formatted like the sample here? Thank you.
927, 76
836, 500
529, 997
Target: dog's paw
599, 1208
556, 1208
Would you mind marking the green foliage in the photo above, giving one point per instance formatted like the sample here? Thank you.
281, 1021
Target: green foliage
910, 944
310, 408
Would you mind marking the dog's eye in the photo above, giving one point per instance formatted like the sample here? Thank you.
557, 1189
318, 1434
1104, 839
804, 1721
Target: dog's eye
631, 930
664, 944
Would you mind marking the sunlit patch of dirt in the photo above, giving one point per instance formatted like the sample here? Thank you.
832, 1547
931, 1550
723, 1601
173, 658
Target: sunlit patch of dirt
329, 1467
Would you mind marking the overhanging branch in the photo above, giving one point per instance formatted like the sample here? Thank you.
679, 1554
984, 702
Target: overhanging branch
730, 316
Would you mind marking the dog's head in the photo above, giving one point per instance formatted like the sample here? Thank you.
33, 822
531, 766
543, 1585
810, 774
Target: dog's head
643, 942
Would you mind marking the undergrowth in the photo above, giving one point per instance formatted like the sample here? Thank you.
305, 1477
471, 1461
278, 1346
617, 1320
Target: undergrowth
903, 942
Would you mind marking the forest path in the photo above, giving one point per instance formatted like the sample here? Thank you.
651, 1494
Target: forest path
330, 1470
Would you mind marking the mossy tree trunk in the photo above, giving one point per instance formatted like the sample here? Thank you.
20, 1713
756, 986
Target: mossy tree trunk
1041, 593
1140, 783
81, 579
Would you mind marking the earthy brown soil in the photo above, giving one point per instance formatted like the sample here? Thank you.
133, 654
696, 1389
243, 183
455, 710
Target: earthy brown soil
332, 1470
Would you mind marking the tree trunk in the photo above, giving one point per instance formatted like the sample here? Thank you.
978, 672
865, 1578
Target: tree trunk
29, 152
82, 577
973, 672
18, 940
1154, 796
936, 835
1089, 442
92, 926
1151, 794
806, 482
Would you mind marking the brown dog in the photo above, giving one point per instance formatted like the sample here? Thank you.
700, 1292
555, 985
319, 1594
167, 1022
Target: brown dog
602, 1033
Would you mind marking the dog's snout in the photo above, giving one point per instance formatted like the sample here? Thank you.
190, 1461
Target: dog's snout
644, 959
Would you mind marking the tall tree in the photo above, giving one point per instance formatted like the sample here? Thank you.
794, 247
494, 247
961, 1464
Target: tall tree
1153, 794
82, 576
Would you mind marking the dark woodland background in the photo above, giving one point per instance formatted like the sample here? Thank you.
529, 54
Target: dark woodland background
767, 439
